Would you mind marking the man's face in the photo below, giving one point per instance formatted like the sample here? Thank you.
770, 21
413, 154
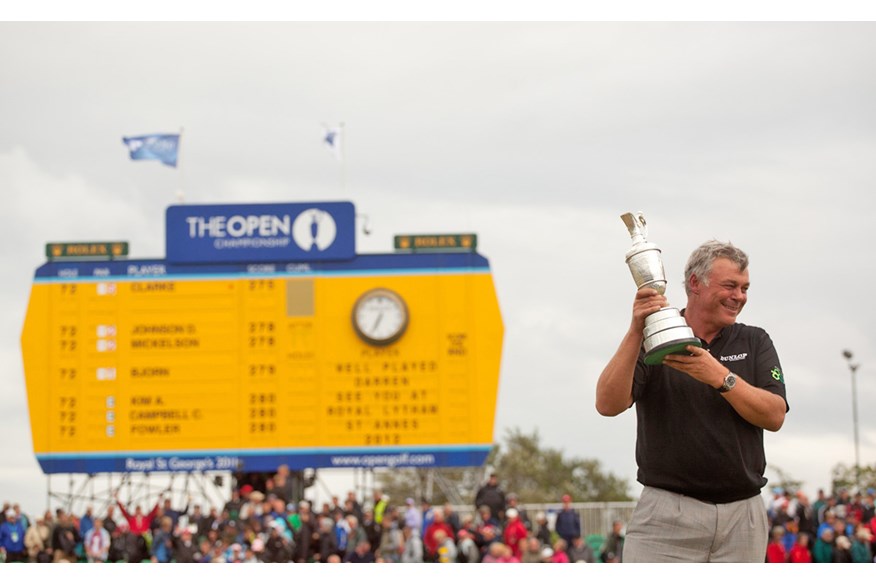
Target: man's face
726, 293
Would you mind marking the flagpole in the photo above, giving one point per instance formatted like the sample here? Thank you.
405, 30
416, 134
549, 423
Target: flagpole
343, 135
179, 167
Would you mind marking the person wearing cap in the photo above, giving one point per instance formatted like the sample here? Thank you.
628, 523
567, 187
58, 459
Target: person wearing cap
185, 549
514, 533
252, 505
568, 522
12, 533
822, 550
701, 416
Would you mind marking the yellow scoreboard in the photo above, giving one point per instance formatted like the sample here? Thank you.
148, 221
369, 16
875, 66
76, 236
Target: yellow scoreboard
373, 361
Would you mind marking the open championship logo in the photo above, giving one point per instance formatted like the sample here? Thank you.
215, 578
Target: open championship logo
314, 230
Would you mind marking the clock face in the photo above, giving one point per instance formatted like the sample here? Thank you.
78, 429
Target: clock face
380, 316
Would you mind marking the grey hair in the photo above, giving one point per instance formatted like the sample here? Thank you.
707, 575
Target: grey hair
700, 262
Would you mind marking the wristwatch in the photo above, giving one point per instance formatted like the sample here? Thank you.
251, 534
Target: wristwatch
729, 383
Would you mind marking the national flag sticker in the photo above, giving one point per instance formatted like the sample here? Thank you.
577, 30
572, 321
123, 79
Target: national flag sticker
777, 374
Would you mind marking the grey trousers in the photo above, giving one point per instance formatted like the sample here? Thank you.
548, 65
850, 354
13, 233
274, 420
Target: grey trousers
668, 527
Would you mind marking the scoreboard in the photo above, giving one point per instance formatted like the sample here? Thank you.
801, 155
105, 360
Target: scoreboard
376, 360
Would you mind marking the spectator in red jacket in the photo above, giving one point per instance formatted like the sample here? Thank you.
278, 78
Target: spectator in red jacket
138, 523
800, 553
514, 534
775, 552
430, 543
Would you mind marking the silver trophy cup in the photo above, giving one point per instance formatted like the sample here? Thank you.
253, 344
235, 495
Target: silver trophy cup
666, 331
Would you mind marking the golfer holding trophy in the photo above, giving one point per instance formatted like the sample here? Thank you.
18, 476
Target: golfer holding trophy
705, 388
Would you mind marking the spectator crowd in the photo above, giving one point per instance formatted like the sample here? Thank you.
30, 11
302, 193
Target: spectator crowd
262, 523
836, 528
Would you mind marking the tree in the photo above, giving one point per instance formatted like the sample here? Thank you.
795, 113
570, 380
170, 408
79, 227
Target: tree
534, 473
844, 477
543, 475
785, 481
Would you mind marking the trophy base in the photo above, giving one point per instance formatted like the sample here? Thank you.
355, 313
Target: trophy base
666, 332
655, 355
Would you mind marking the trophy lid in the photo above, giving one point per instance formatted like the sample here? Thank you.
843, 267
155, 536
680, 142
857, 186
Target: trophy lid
636, 225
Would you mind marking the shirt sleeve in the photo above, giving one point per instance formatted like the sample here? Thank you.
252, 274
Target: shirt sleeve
768, 372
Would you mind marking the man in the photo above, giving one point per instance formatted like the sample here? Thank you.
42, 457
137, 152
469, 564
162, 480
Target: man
174, 514
65, 537
568, 522
700, 420
613, 548
96, 542
12, 533
492, 495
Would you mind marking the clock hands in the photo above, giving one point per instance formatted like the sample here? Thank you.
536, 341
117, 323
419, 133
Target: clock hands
377, 322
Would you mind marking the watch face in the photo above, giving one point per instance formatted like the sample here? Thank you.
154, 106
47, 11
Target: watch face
380, 316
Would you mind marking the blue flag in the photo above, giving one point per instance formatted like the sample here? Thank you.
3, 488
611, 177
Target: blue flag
332, 138
163, 147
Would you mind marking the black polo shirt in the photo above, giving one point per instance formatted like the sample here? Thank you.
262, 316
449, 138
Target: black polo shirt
689, 439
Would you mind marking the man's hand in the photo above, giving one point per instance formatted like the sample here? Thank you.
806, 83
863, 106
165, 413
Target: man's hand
647, 302
699, 364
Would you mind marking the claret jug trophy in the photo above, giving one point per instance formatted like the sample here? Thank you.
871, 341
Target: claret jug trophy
666, 331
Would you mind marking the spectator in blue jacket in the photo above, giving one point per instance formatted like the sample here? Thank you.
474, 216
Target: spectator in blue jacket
12, 537
568, 523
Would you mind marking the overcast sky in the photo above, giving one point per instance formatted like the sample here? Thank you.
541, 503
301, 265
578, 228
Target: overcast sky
536, 136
